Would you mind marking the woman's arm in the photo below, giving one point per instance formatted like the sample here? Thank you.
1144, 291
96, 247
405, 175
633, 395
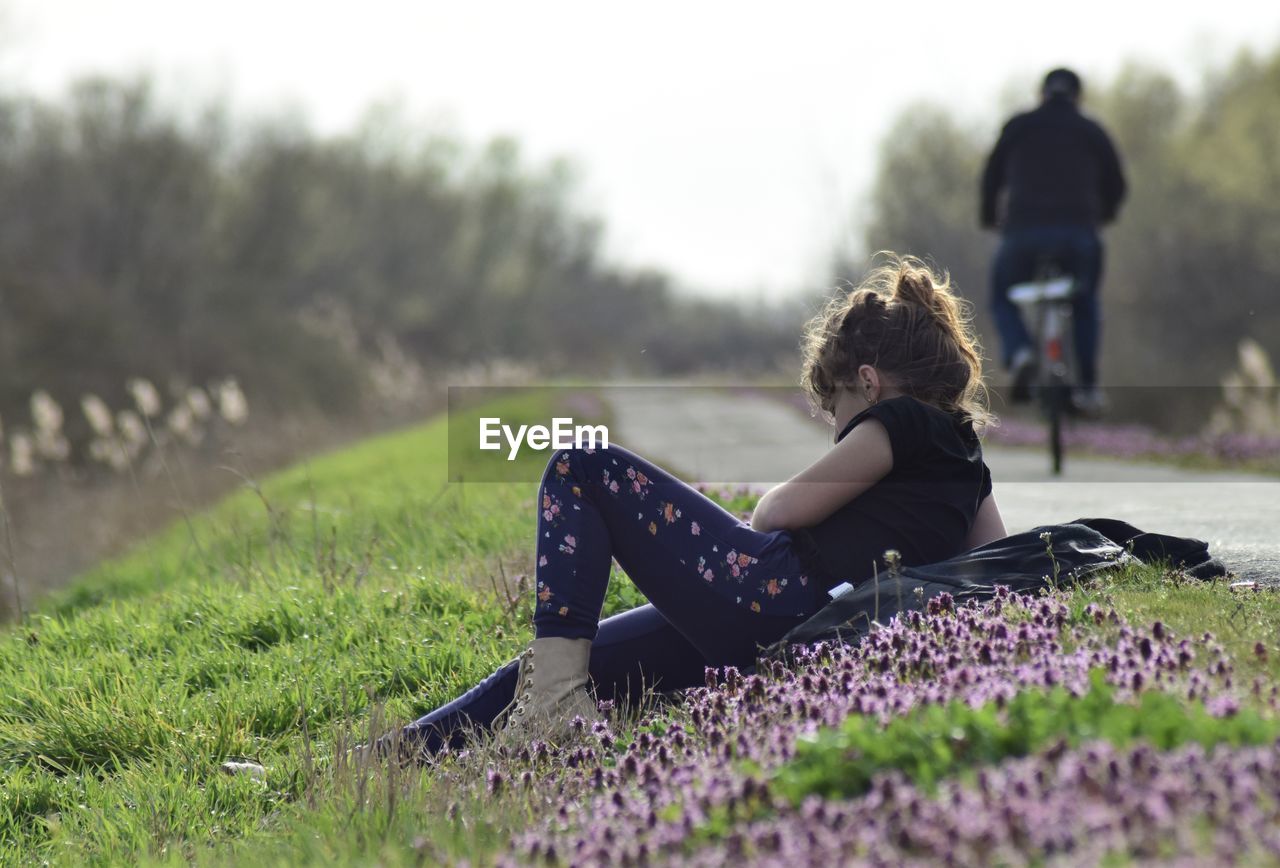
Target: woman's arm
856, 463
988, 526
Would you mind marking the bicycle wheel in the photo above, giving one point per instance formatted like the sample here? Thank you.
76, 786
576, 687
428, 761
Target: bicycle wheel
1056, 372
1056, 397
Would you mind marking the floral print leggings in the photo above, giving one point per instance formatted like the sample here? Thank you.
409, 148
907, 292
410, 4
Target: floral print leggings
718, 590
683, 551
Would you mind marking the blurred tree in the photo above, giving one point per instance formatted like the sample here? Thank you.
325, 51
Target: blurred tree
1233, 160
135, 245
105, 212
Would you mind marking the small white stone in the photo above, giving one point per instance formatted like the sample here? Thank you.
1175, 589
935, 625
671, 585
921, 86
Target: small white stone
251, 770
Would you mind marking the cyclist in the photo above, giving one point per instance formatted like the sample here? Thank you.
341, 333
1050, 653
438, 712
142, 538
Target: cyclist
1051, 181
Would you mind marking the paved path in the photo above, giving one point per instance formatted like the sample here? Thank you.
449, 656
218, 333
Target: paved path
739, 437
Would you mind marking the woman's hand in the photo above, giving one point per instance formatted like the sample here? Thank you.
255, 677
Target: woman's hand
856, 463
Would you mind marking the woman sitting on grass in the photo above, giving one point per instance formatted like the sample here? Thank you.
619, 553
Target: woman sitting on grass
895, 366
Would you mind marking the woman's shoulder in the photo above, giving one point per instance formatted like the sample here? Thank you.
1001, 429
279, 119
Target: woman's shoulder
916, 427
896, 414
903, 414
907, 411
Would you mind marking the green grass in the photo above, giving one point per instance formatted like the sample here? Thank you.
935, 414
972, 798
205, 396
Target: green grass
288, 623
934, 742
357, 580
1244, 621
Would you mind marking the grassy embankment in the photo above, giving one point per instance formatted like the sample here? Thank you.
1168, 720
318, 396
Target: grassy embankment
278, 617
281, 627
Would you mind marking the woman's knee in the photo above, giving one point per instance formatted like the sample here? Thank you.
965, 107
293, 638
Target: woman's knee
573, 463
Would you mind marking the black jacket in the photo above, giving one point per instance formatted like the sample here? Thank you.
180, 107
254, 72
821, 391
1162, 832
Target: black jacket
1057, 167
1026, 563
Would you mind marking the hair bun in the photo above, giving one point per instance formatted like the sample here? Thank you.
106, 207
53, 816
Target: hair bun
915, 286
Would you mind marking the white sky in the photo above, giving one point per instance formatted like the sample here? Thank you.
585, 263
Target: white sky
728, 143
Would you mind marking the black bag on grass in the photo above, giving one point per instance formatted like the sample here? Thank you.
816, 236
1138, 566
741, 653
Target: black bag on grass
1024, 562
1184, 553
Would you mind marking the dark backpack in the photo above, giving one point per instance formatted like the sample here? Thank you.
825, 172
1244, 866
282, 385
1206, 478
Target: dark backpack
1026, 563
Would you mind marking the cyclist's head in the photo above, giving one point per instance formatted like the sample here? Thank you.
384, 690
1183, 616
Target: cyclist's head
1062, 83
905, 321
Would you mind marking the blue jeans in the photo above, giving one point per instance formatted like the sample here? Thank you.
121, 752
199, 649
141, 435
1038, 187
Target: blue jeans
1078, 251
718, 590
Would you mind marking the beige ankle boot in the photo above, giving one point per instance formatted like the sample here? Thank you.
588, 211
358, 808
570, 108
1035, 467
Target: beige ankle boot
550, 691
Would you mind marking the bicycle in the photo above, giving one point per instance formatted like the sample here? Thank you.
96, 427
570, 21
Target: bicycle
1046, 303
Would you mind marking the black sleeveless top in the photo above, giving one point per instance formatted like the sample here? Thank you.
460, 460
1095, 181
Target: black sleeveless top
923, 508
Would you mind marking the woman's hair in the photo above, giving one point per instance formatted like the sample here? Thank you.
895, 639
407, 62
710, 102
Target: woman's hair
905, 321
